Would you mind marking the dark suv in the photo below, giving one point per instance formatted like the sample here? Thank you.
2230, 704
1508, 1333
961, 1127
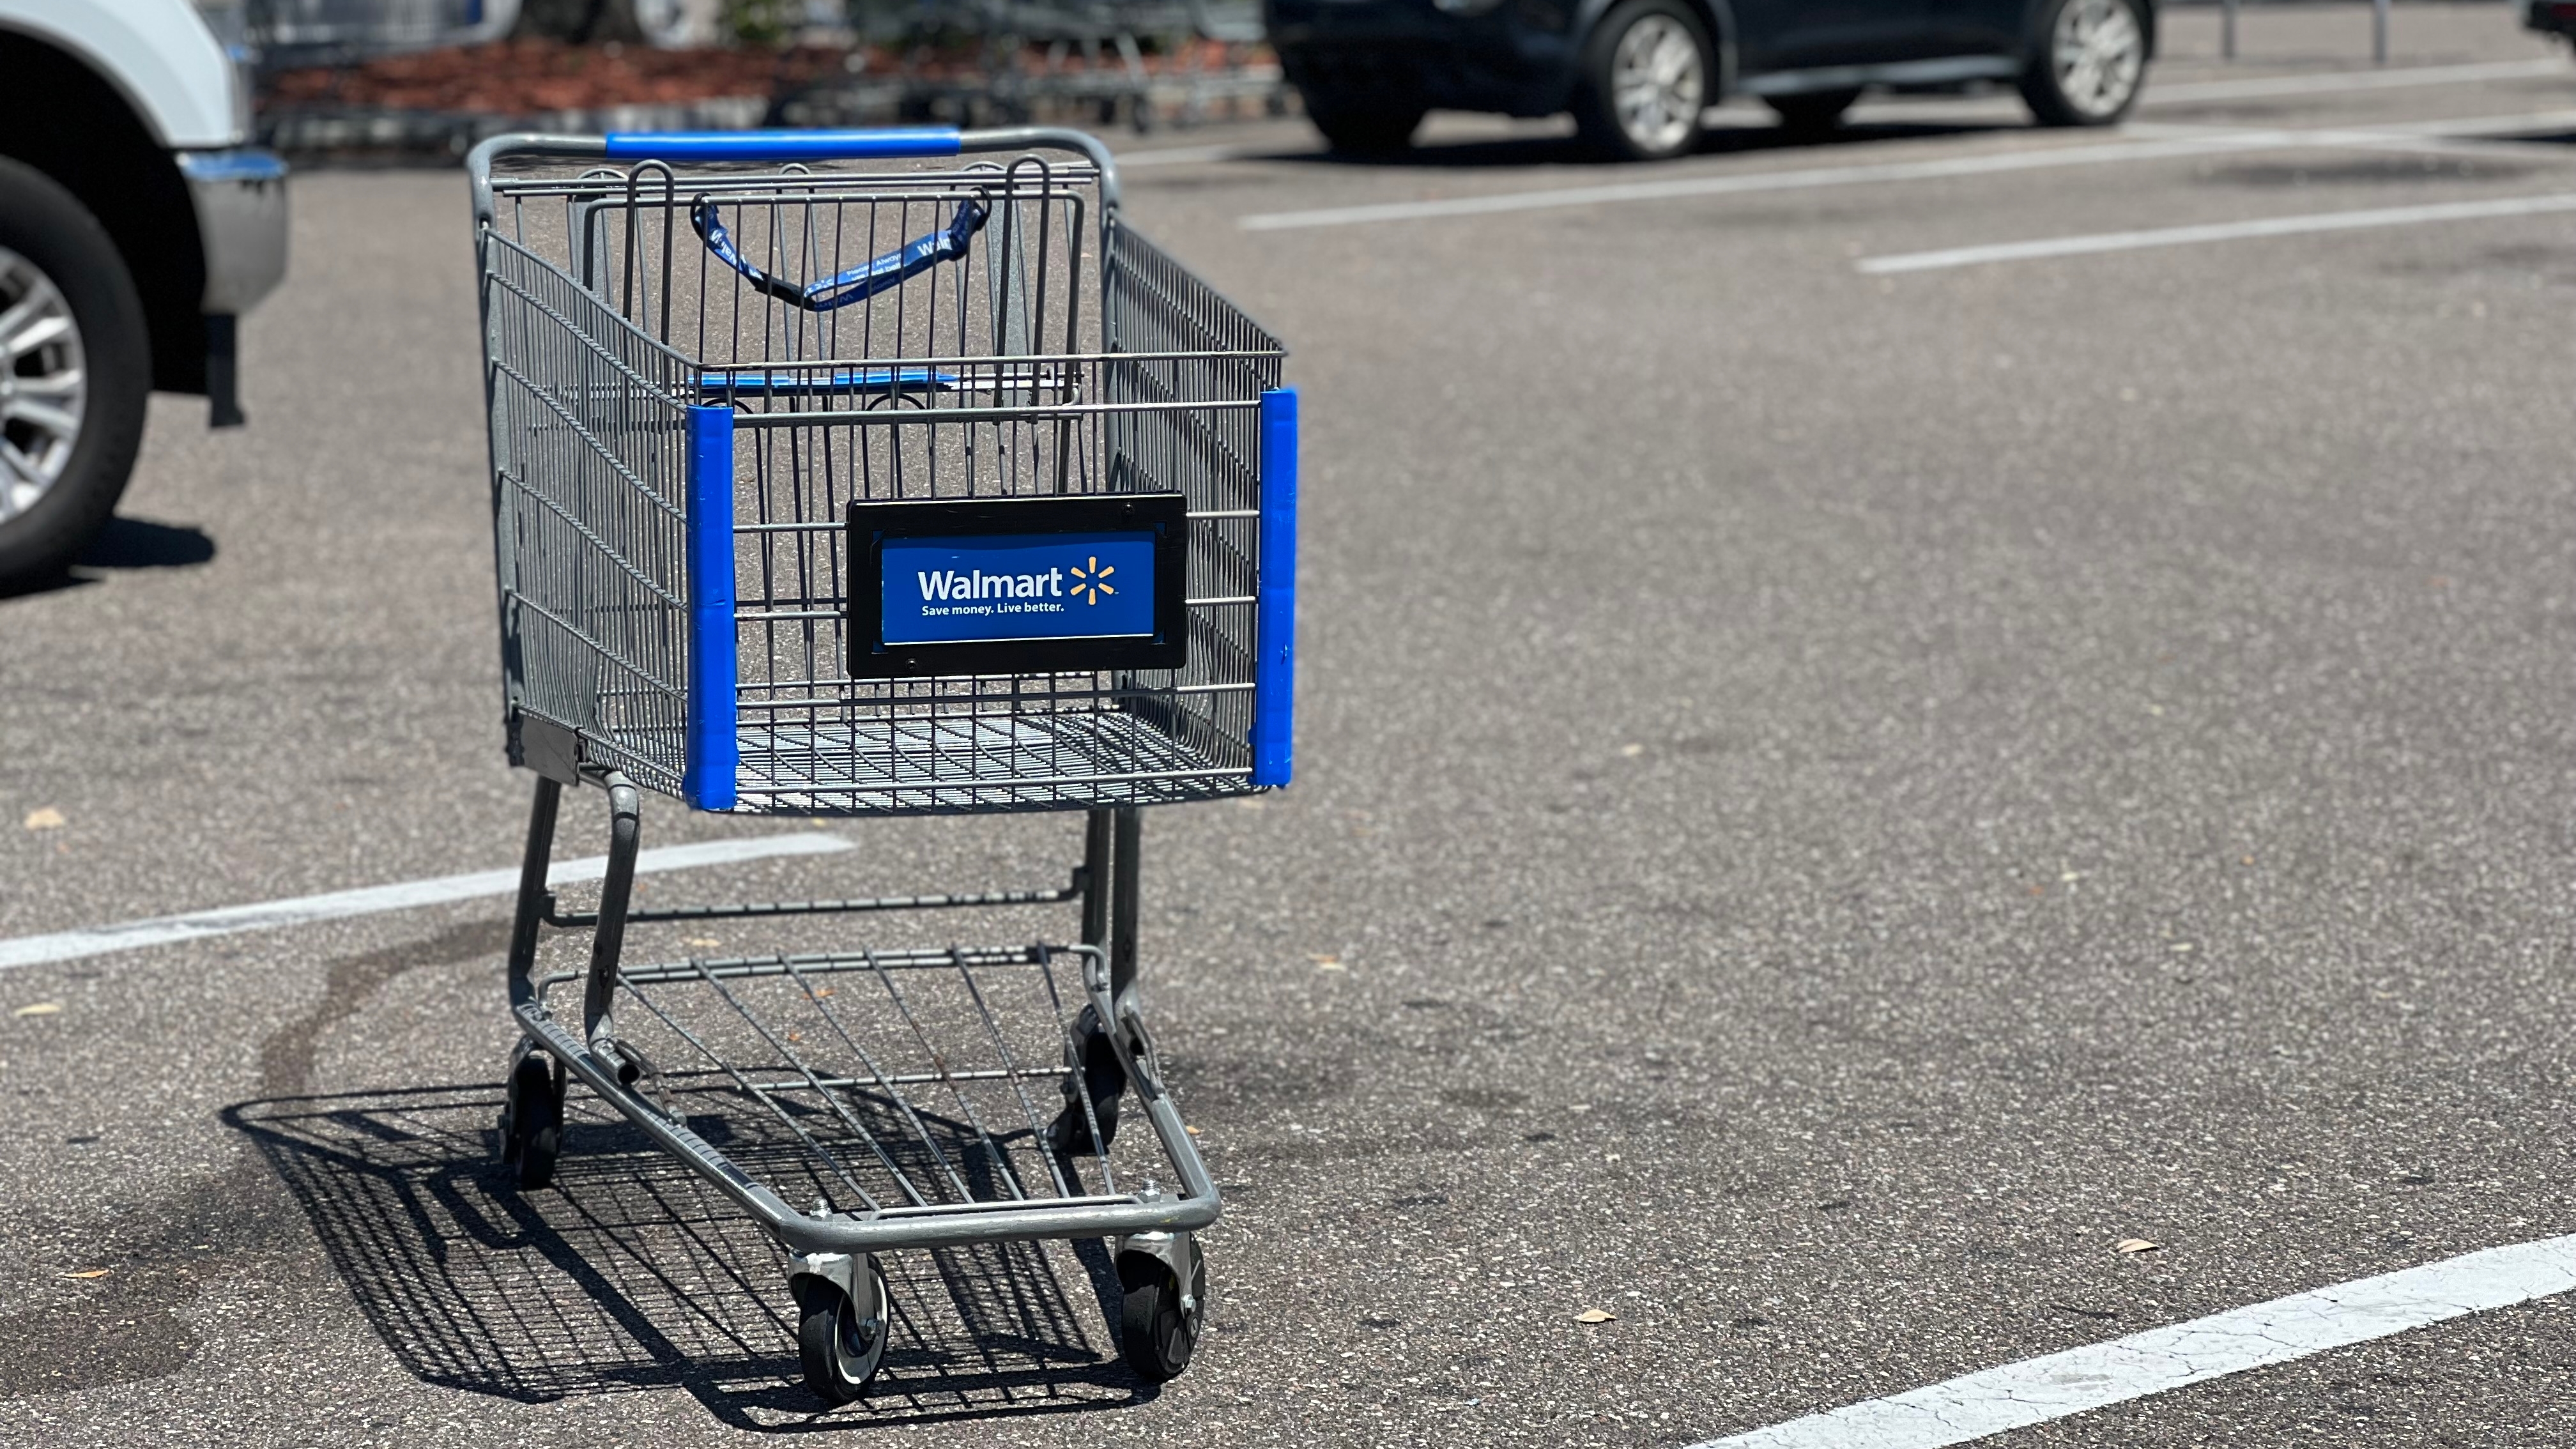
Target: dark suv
1637, 73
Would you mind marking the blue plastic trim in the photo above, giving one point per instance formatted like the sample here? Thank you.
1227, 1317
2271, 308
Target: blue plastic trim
247, 163
711, 752
1274, 661
894, 143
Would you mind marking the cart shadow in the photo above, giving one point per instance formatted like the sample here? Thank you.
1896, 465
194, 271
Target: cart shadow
632, 1275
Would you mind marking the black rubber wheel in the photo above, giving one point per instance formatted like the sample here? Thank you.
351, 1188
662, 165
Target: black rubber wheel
532, 1121
1813, 113
839, 1345
1648, 72
74, 375
1091, 1066
1371, 125
2088, 62
1157, 1335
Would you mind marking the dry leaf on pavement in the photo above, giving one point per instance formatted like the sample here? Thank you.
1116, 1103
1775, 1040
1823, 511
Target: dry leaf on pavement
91, 1273
41, 1008
47, 818
2133, 1245
1595, 1315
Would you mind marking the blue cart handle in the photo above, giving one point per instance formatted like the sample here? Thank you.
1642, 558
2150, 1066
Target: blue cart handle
887, 143
857, 284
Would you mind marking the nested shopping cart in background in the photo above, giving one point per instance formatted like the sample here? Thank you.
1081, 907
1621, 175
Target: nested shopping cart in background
876, 473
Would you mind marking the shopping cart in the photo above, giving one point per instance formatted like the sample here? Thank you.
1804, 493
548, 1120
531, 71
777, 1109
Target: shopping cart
836, 473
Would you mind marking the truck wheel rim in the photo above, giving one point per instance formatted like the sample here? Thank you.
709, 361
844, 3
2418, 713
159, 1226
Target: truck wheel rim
2098, 53
1656, 84
42, 386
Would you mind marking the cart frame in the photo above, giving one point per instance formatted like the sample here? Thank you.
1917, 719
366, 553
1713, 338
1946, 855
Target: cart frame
829, 1252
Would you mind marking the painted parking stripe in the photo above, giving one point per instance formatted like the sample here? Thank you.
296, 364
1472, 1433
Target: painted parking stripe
2511, 125
2035, 159
2523, 137
2506, 125
2186, 93
1738, 184
2175, 236
2485, 137
2331, 82
371, 900
1184, 155
2058, 1385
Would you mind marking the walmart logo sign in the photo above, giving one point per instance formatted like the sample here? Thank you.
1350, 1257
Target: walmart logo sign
1090, 585
1017, 586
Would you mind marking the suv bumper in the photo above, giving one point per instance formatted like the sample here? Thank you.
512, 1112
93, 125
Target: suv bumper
1519, 59
240, 198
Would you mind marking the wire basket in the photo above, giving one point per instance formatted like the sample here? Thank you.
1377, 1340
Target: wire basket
696, 373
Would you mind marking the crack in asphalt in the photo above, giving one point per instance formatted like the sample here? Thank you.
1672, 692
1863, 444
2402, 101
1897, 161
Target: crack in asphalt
142, 1321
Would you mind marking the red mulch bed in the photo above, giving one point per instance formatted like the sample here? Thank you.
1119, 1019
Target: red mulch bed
514, 76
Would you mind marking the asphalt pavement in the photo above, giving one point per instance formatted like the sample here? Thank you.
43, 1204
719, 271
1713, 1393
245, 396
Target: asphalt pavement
1831, 795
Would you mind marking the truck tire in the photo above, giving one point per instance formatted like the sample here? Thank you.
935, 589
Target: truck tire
75, 371
1812, 113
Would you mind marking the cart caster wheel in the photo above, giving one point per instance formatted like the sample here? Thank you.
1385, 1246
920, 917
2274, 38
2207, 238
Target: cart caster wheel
839, 1342
532, 1120
1158, 1329
1090, 1065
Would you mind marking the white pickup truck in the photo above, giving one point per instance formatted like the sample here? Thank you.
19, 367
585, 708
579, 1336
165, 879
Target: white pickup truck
135, 228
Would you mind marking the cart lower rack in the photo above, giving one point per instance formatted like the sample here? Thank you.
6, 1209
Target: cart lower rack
826, 481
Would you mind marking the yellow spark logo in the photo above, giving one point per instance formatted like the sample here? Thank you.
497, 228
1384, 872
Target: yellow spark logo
1087, 583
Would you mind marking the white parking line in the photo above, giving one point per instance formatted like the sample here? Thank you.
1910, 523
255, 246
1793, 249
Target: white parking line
2175, 236
2503, 126
369, 900
2058, 1385
2037, 159
2330, 82
2255, 88
2489, 137
1183, 155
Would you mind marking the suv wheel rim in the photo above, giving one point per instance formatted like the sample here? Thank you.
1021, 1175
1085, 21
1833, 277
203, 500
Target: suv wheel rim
42, 386
2098, 54
1656, 84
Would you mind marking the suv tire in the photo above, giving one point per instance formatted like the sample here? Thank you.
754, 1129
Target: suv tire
1812, 113
1364, 125
1648, 72
75, 371
2088, 62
